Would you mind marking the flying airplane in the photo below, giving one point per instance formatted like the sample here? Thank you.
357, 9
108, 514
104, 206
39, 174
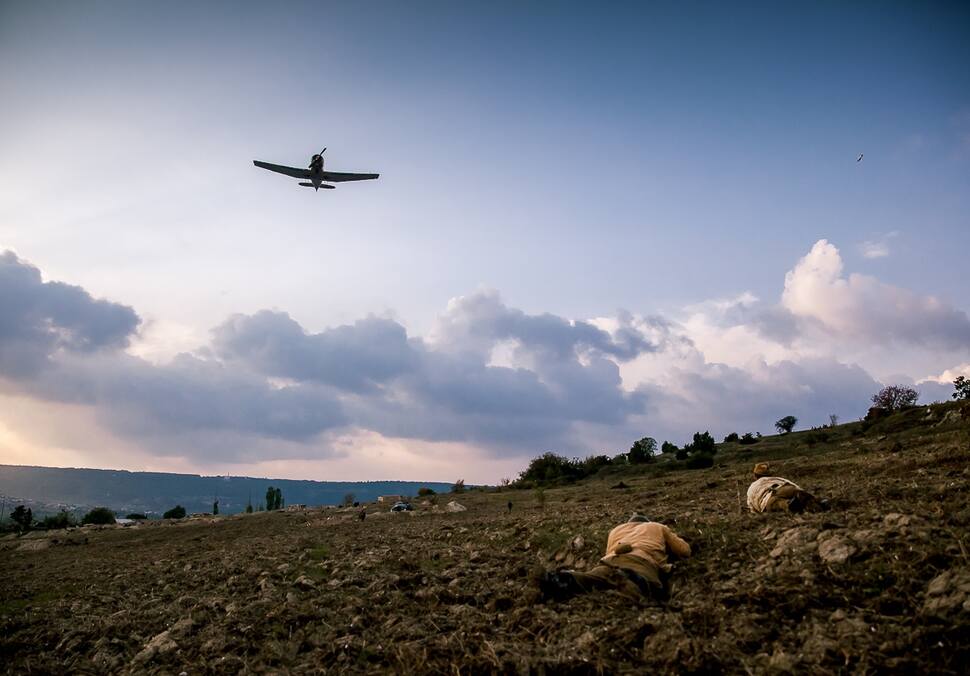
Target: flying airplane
859, 158
314, 175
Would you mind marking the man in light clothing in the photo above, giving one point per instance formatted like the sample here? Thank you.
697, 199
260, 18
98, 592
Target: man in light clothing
636, 564
769, 493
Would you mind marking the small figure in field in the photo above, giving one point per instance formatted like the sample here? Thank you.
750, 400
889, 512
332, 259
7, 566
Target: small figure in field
362, 514
771, 493
510, 506
636, 564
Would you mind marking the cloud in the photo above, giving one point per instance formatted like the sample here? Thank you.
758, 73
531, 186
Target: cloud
477, 321
355, 358
724, 399
490, 379
42, 318
877, 248
861, 308
263, 378
874, 249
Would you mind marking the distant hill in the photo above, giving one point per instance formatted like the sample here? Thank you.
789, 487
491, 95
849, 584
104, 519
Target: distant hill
46, 489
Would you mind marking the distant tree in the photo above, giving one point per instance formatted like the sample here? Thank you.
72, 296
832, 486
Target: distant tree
682, 453
349, 499
23, 517
787, 424
99, 515
747, 439
642, 451
62, 519
590, 465
270, 499
962, 386
548, 468
136, 516
733, 436
215, 508
702, 442
425, 491
458, 487
176, 512
833, 419
668, 447
278, 499
894, 397
506, 481
249, 508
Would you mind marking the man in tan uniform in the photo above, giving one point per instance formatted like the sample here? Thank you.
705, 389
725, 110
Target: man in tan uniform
635, 564
769, 493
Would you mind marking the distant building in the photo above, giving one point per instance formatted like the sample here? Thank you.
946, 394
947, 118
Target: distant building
390, 498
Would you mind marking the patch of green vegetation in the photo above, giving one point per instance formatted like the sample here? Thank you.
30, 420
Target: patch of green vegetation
316, 573
432, 564
14, 606
319, 553
548, 539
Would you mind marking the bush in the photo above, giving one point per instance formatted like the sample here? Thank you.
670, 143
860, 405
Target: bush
733, 436
590, 465
136, 516
423, 491
550, 468
700, 461
62, 519
459, 486
541, 497
176, 512
99, 515
819, 437
962, 386
668, 447
747, 439
682, 453
894, 397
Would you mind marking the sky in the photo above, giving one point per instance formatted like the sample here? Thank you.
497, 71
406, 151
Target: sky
592, 224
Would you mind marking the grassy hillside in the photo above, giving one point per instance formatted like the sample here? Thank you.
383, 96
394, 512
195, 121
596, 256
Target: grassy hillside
879, 583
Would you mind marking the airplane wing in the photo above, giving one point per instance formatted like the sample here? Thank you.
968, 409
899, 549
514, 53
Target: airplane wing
280, 169
338, 176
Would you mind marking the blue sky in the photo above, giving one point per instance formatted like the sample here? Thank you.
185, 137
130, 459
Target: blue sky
577, 160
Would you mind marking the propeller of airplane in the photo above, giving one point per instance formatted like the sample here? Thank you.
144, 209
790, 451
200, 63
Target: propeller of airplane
319, 156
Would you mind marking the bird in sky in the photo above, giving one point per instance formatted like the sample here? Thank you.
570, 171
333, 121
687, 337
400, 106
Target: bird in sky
859, 158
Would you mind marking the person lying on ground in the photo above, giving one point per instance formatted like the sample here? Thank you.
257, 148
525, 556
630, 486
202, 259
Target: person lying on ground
636, 564
770, 493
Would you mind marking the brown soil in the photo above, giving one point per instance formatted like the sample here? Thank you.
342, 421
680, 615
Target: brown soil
879, 583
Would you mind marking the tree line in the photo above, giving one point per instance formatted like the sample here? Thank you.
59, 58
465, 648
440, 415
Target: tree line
551, 468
